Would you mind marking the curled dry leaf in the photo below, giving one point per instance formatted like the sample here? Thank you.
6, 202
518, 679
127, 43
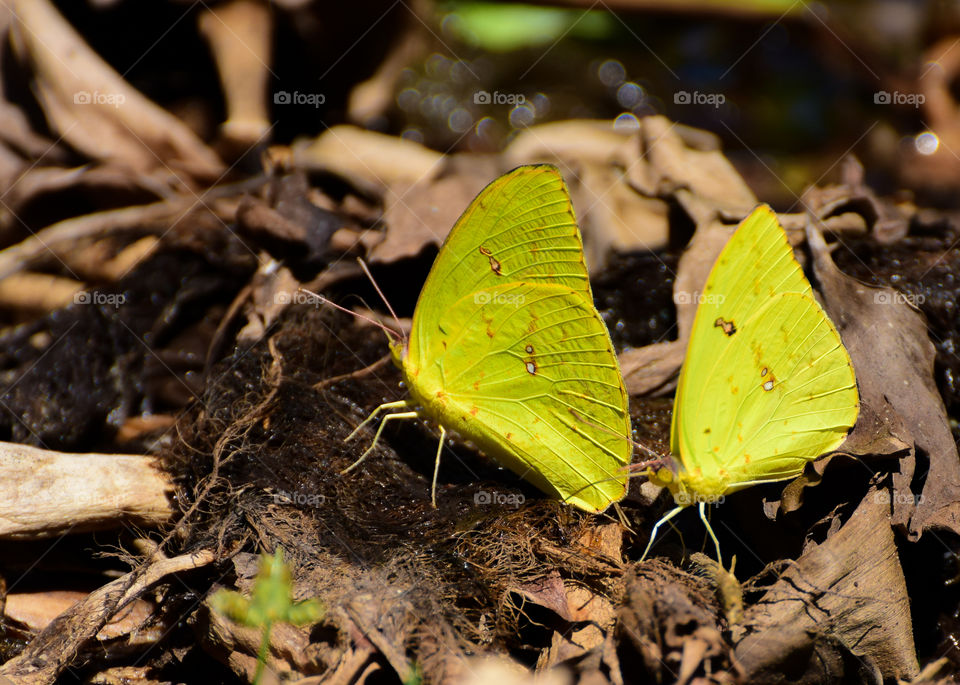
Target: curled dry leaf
94, 108
286, 223
157, 216
691, 168
36, 610
37, 181
423, 213
372, 162
840, 612
651, 369
601, 166
50, 652
900, 405
272, 289
613, 216
886, 222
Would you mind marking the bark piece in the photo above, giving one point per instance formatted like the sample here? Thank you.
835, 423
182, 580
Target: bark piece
49, 493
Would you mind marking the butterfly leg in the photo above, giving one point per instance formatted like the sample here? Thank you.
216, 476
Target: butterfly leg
376, 437
653, 533
389, 405
436, 467
703, 517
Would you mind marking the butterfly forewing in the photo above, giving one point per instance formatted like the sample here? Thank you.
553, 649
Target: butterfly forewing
521, 227
767, 384
782, 394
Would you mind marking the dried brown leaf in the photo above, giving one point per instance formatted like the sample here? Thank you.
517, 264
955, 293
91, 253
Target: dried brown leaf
94, 108
420, 214
841, 598
899, 401
703, 180
372, 162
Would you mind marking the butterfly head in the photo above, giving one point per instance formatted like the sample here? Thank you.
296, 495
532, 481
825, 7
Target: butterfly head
688, 487
666, 476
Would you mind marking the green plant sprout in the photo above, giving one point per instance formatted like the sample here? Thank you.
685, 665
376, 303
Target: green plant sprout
270, 603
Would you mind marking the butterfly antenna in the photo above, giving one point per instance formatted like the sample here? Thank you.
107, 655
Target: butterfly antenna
392, 334
363, 265
655, 457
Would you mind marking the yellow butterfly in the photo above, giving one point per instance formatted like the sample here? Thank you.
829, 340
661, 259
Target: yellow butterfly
766, 385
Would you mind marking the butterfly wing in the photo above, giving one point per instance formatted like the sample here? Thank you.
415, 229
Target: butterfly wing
508, 349
767, 384
528, 373
521, 227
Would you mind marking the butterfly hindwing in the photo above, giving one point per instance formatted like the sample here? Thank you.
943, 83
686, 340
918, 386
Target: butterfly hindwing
529, 374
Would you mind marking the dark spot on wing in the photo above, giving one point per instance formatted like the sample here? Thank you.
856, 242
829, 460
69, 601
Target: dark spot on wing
495, 266
728, 327
770, 380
